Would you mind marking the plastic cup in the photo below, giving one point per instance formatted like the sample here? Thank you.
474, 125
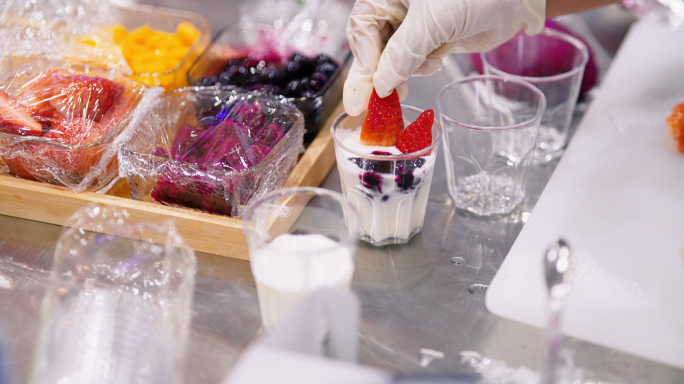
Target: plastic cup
391, 191
300, 240
116, 310
554, 62
490, 126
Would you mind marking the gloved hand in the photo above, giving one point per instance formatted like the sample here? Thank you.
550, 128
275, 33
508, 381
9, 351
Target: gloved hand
424, 32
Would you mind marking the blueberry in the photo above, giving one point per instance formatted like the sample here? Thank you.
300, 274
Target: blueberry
293, 88
371, 180
270, 89
405, 181
292, 68
305, 83
327, 69
379, 166
381, 153
385, 197
207, 81
309, 94
323, 58
225, 78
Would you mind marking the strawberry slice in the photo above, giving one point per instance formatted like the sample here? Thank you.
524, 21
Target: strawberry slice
418, 135
384, 121
86, 97
37, 92
16, 118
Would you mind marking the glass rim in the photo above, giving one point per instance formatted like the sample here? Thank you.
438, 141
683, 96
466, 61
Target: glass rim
407, 156
504, 79
347, 242
577, 43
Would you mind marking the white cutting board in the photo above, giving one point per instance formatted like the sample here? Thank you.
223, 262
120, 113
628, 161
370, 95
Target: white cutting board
617, 197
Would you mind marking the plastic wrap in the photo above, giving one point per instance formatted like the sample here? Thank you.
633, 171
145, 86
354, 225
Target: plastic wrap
213, 149
116, 310
63, 124
308, 69
46, 28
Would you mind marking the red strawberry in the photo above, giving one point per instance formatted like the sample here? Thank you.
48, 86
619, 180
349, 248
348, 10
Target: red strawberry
384, 121
418, 135
16, 118
37, 92
75, 132
87, 97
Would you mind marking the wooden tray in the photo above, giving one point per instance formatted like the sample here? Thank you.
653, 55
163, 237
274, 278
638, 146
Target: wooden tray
201, 231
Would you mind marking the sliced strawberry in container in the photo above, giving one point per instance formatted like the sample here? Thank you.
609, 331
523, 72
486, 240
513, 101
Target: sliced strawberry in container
418, 135
17, 119
384, 121
37, 92
80, 96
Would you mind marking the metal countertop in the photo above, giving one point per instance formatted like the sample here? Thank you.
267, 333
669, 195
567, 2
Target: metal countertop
412, 296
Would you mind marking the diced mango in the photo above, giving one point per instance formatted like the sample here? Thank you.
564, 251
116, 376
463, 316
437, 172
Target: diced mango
188, 32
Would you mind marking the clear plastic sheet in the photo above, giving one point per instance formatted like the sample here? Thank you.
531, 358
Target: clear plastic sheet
49, 28
116, 310
669, 11
63, 124
213, 149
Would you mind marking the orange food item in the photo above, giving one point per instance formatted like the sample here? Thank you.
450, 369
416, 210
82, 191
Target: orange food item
675, 124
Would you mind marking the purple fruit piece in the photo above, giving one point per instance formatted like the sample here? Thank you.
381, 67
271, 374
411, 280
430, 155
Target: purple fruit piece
381, 153
184, 185
371, 180
259, 152
230, 147
270, 135
186, 137
250, 114
161, 152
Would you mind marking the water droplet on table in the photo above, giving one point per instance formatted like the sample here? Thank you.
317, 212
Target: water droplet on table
477, 287
457, 261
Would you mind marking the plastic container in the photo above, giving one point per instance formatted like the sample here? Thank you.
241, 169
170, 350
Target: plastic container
82, 160
135, 15
217, 166
260, 38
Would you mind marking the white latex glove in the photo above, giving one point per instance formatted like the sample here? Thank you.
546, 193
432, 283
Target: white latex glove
420, 33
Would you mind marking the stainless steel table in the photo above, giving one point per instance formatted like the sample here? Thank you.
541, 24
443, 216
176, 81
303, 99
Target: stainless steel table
412, 296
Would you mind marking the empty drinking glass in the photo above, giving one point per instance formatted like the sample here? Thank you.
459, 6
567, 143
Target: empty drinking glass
292, 258
554, 62
490, 127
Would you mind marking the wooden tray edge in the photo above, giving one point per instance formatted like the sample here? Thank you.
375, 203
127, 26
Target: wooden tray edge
201, 231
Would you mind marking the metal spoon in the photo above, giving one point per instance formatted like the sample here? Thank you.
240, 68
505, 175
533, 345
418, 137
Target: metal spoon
558, 266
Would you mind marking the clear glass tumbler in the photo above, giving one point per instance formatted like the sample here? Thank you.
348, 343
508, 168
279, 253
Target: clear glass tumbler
116, 311
300, 240
490, 127
391, 191
554, 62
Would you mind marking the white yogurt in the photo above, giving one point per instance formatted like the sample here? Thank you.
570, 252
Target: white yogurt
291, 267
393, 210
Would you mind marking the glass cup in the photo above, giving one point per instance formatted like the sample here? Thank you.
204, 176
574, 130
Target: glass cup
554, 62
490, 127
291, 259
391, 191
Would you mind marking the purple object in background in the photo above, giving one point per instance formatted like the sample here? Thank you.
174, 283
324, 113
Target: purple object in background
559, 61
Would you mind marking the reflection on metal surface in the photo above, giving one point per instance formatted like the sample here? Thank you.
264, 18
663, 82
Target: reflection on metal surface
457, 261
428, 355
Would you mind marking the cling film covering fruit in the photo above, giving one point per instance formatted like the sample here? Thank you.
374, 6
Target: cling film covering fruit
155, 57
213, 149
63, 124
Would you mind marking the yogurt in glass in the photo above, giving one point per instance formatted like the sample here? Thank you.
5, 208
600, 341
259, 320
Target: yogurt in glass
390, 188
292, 258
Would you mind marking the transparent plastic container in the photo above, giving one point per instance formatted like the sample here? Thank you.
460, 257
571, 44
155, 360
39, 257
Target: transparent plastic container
244, 37
116, 310
86, 163
135, 15
158, 171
